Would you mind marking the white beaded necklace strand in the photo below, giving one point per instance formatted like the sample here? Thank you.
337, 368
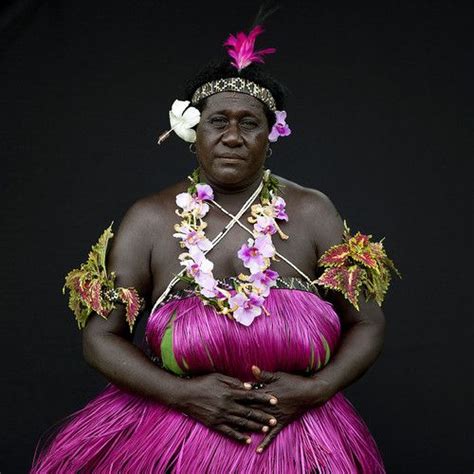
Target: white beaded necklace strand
234, 220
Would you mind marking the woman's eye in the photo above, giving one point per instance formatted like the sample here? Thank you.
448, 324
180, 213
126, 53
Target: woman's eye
249, 124
218, 121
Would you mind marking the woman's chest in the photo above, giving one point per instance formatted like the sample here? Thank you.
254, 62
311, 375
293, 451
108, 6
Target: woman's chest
295, 251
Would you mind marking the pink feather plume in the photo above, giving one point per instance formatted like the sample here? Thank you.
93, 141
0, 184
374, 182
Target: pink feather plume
241, 48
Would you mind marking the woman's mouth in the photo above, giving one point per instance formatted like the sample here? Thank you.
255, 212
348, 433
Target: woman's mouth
230, 156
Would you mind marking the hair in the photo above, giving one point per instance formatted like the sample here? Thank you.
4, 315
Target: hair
222, 69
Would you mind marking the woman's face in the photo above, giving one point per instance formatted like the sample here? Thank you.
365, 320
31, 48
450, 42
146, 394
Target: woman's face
232, 139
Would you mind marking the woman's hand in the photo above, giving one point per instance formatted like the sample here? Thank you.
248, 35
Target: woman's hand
295, 394
222, 403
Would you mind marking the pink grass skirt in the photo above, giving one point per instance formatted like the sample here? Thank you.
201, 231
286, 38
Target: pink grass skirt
122, 433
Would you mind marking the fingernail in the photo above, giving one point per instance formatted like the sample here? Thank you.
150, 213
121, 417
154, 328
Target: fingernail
272, 422
273, 401
248, 440
259, 450
265, 429
247, 386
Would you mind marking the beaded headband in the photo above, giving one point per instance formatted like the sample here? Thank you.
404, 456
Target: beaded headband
234, 84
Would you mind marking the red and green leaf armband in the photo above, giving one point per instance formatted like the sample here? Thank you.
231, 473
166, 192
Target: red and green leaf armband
91, 288
357, 266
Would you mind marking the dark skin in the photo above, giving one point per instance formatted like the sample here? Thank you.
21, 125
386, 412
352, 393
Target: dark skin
231, 148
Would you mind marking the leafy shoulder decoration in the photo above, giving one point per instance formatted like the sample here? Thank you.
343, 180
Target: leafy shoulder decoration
92, 289
357, 265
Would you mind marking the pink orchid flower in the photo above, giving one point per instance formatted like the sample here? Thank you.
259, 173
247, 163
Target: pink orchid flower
196, 204
279, 208
246, 308
263, 281
199, 267
190, 237
255, 252
192, 204
203, 279
265, 225
204, 192
280, 129
184, 201
215, 292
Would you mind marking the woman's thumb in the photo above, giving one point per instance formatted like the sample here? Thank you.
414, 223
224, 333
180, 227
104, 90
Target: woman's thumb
262, 375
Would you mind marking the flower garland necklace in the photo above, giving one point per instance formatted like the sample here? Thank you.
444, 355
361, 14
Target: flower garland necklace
246, 301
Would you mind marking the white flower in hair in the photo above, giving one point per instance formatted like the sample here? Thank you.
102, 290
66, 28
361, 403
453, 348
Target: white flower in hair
182, 120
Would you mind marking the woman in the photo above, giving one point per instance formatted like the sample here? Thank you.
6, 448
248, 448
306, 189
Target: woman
240, 372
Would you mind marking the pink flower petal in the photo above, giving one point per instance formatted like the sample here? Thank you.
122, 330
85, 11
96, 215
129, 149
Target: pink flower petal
204, 192
184, 200
273, 136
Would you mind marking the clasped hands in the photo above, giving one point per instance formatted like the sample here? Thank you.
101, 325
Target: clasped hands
235, 408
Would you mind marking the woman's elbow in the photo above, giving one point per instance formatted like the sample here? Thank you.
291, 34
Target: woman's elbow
92, 340
377, 325
373, 325
98, 332
89, 345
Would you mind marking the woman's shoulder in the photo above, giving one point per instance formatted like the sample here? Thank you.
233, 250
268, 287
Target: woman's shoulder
308, 200
155, 207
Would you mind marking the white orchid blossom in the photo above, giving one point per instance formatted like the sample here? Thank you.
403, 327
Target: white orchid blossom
182, 120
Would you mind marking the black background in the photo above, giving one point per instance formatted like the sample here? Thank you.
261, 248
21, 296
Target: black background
378, 110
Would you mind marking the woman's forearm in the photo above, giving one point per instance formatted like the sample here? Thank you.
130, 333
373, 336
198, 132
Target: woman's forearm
360, 346
126, 366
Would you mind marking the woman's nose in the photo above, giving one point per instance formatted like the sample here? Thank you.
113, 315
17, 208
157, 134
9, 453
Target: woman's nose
232, 136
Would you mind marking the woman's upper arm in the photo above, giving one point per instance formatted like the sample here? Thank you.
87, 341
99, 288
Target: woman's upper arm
329, 232
130, 252
129, 258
